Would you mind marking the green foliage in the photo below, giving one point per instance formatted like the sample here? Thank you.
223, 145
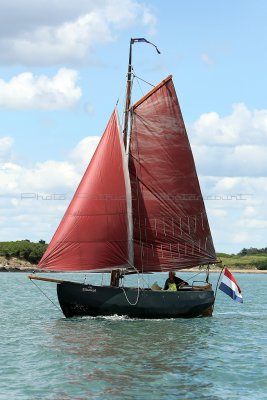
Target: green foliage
24, 250
245, 261
224, 255
252, 251
261, 265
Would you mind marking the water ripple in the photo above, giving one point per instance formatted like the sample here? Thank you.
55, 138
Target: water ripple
45, 356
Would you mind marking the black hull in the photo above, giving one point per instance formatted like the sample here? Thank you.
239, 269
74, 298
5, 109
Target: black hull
77, 299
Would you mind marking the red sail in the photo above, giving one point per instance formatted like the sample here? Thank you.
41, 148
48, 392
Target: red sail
93, 234
170, 226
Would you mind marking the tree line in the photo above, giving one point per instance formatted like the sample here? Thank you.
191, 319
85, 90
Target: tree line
23, 250
252, 251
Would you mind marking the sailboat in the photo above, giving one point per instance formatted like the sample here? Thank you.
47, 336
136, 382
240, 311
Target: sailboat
137, 210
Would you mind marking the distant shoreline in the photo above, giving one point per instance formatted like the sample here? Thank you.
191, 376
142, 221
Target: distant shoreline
236, 271
34, 269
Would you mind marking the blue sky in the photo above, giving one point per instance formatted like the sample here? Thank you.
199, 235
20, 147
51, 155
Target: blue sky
62, 68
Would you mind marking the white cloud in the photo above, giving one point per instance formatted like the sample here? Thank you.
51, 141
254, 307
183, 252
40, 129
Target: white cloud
70, 33
243, 127
254, 223
246, 185
26, 91
241, 238
84, 151
5, 149
33, 200
49, 177
235, 144
239, 160
237, 211
218, 212
250, 211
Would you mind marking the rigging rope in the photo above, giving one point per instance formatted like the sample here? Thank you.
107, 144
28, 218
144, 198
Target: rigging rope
137, 298
138, 289
191, 277
135, 76
46, 295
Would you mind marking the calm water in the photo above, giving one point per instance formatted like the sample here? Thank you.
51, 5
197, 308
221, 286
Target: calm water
45, 356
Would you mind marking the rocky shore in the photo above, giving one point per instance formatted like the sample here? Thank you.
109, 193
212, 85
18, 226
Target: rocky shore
16, 265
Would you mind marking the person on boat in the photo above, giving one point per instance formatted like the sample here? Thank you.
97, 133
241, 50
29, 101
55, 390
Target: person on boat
173, 282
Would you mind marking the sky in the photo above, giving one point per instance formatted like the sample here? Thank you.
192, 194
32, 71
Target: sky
63, 67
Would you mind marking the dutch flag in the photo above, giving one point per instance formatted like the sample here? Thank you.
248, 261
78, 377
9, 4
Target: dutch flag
229, 286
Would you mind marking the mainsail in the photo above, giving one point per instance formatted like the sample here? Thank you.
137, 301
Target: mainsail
170, 225
93, 233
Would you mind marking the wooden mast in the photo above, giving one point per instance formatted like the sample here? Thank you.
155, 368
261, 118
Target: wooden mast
128, 97
115, 274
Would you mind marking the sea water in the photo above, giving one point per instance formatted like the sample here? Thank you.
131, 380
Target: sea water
46, 356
